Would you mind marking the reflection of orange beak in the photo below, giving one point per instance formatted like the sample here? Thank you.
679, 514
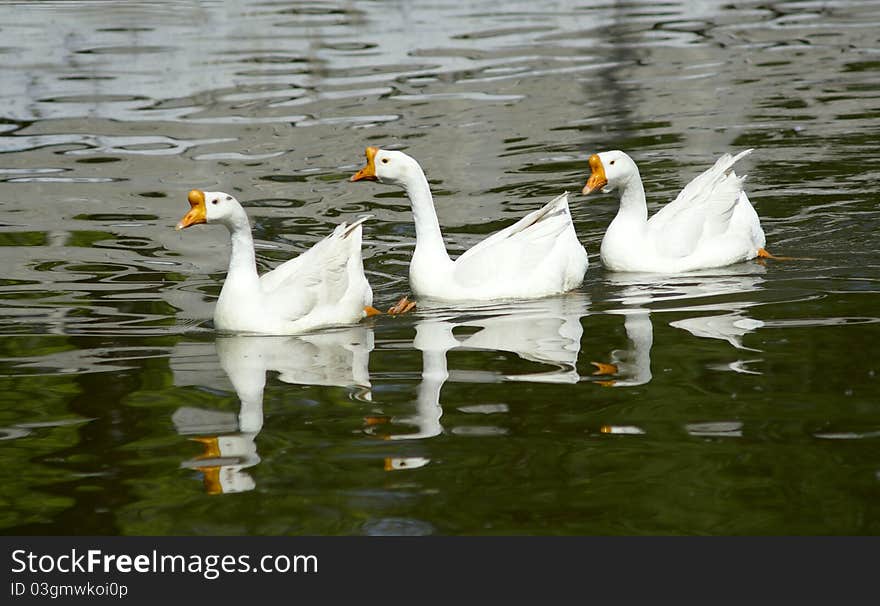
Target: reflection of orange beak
198, 213
597, 179
211, 478
369, 171
212, 446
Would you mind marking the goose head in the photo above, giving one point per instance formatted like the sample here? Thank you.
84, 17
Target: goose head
609, 170
211, 207
388, 166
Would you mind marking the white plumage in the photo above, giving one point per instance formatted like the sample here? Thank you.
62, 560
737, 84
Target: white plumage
324, 286
539, 255
711, 223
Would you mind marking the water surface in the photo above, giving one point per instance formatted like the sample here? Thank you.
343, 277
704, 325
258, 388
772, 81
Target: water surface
744, 400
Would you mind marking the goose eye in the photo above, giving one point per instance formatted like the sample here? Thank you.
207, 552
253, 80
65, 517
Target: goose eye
384, 160
613, 161
214, 201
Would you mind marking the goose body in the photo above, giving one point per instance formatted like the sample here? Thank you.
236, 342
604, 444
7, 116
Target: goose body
711, 223
537, 256
324, 286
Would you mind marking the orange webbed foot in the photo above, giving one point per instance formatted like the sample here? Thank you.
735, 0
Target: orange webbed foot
604, 369
401, 307
373, 420
763, 254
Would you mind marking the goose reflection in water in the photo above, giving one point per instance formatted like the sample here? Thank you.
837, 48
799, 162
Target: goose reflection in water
644, 294
701, 292
546, 331
632, 365
332, 358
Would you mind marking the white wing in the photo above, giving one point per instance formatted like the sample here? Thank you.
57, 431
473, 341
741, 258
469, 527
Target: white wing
516, 251
318, 277
702, 209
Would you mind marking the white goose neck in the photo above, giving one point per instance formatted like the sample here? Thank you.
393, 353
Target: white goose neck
243, 261
633, 205
428, 235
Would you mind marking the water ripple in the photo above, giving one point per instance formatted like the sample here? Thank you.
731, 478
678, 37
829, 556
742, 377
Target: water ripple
634, 394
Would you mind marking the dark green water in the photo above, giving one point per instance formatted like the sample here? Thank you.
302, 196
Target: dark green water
746, 399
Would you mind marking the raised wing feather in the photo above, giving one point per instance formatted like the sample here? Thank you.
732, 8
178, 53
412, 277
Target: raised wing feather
702, 209
516, 251
317, 277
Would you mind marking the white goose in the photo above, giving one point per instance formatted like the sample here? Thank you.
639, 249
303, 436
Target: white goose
710, 224
539, 255
324, 286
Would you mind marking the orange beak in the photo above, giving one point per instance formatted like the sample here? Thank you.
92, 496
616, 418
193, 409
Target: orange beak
198, 213
597, 178
369, 171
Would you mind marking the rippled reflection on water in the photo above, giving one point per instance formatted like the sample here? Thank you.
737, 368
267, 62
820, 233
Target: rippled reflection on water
720, 402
